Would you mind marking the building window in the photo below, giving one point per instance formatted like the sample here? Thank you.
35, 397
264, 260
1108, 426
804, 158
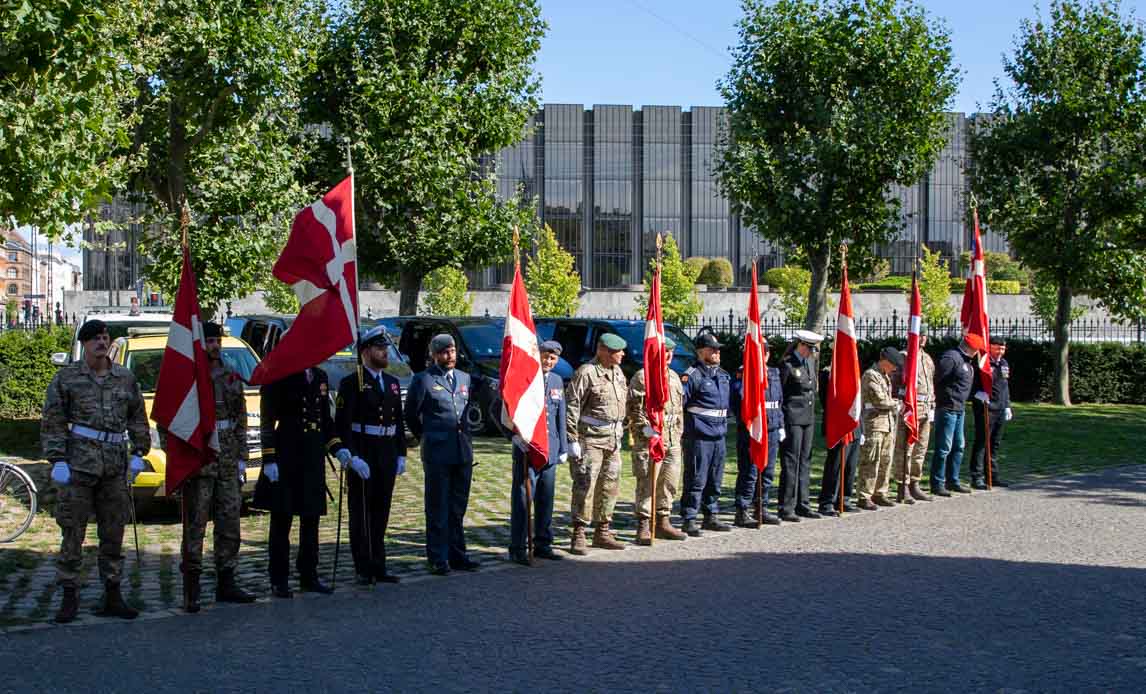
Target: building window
13, 273
13, 256
13, 289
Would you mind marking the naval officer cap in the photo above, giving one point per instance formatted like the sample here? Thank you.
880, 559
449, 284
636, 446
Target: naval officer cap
441, 343
612, 342
809, 338
373, 336
552, 346
892, 354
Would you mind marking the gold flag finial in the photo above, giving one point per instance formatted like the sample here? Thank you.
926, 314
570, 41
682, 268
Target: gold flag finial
516, 247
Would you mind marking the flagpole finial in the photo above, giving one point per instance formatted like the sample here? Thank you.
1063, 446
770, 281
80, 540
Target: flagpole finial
184, 222
660, 245
349, 160
516, 247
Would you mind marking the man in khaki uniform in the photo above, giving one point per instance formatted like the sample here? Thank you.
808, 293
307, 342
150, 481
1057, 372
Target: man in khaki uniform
595, 417
89, 406
911, 455
669, 471
880, 409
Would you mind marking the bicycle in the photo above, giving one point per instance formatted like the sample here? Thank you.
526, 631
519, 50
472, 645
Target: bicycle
18, 498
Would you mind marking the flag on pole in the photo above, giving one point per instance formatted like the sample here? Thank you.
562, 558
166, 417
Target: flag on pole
911, 365
755, 383
184, 403
974, 313
522, 383
656, 369
319, 263
842, 410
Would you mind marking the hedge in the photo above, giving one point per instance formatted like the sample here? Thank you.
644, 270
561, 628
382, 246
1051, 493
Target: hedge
26, 368
1004, 287
717, 272
1099, 372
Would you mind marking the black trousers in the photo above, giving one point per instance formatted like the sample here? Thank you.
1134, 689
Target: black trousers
447, 494
830, 482
796, 468
978, 449
279, 561
369, 502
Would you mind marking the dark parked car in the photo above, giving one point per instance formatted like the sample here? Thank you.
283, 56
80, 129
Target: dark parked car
578, 338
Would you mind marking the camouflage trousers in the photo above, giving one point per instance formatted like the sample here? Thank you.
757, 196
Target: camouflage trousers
596, 475
105, 496
668, 474
215, 499
911, 455
875, 464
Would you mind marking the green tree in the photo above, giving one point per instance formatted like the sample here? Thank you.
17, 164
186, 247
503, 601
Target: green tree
1058, 164
11, 310
680, 303
696, 264
446, 293
421, 89
792, 283
554, 285
280, 297
1044, 301
934, 288
830, 103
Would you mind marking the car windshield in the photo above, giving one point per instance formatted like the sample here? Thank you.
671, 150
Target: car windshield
483, 339
116, 330
145, 363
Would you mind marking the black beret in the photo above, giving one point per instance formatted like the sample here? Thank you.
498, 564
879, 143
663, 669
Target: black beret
92, 329
998, 340
212, 329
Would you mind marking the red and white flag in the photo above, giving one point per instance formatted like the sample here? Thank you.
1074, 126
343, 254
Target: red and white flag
974, 313
842, 411
911, 365
184, 403
755, 383
318, 262
522, 382
656, 369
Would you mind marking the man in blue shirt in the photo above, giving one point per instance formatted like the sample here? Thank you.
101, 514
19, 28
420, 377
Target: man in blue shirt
745, 469
707, 389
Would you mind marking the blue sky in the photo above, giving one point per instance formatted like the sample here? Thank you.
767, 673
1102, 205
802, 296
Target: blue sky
672, 51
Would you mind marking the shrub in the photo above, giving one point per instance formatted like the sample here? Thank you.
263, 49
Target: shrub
794, 283
554, 285
957, 285
934, 288
1000, 266
901, 283
26, 368
446, 293
880, 270
1003, 287
696, 265
717, 272
679, 301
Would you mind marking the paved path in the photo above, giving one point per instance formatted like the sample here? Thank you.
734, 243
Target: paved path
1036, 588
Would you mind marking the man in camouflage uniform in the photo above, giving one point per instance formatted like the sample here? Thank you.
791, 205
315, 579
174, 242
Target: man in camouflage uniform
214, 493
909, 456
595, 416
89, 406
880, 409
669, 471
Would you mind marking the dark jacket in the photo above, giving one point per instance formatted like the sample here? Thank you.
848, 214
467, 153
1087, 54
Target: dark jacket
773, 404
799, 386
1000, 384
369, 419
437, 415
554, 418
954, 375
706, 388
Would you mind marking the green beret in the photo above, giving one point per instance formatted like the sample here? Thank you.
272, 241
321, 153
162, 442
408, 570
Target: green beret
669, 344
612, 341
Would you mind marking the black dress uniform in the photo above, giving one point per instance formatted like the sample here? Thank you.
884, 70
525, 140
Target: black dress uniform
999, 404
369, 422
799, 384
830, 481
297, 432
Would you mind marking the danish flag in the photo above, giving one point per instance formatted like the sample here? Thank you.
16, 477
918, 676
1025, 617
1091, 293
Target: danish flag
911, 366
755, 383
318, 262
656, 369
842, 410
184, 403
974, 313
522, 381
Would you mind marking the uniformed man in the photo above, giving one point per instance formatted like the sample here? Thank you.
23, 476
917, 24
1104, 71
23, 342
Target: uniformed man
596, 401
88, 406
798, 380
668, 472
369, 421
214, 493
297, 432
830, 481
542, 482
909, 457
745, 469
707, 389
954, 377
880, 411
999, 407
436, 406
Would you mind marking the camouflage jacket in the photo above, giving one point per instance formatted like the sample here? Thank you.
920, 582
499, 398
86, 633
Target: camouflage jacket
674, 410
924, 384
595, 402
230, 421
879, 407
113, 405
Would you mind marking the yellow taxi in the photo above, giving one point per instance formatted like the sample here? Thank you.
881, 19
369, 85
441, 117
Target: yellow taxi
141, 351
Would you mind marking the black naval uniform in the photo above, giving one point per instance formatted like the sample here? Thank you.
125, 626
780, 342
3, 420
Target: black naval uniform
999, 404
830, 481
799, 383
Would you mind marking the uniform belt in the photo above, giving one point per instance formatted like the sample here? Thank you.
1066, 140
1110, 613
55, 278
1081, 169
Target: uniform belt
594, 422
223, 424
374, 429
97, 435
770, 405
707, 413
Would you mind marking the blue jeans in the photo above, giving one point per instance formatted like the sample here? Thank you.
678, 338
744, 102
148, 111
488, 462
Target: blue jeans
948, 448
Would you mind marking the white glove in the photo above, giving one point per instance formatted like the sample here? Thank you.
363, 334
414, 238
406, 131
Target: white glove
343, 456
650, 432
271, 470
982, 397
359, 466
863, 439
61, 473
898, 406
242, 472
520, 443
783, 434
401, 465
931, 415
563, 457
135, 467
575, 450
1008, 415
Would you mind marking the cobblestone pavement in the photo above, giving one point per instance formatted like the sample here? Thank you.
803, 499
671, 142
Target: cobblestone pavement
1035, 588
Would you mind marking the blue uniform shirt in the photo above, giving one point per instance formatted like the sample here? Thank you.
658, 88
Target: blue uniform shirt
554, 418
707, 392
436, 414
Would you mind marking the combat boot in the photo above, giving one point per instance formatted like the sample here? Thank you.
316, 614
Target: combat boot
644, 534
603, 539
69, 606
226, 590
902, 496
917, 492
744, 519
114, 605
578, 545
665, 531
191, 589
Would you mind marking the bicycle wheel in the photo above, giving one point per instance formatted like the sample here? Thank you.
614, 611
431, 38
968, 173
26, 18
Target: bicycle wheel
17, 502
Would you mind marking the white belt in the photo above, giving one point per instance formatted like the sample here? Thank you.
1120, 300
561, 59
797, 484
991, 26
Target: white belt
96, 435
593, 421
708, 413
223, 424
374, 430
771, 405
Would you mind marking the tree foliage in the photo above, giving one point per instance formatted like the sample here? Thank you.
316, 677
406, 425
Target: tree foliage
934, 288
680, 303
792, 284
446, 293
718, 273
830, 103
1059, 167
280, 297
554, 285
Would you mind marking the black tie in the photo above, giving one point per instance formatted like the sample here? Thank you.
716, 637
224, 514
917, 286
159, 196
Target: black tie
450, 379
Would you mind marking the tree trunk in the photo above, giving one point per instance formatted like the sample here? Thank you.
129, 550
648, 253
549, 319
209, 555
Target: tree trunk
409, 284
1062, 345
818, 293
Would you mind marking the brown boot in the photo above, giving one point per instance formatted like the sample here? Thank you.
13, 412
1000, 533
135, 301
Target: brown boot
578, 545
227, 590
644, 534
603, 539
881, 500
917, 492
191, 591
902, 496
665, 531
69, 606
114, 604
